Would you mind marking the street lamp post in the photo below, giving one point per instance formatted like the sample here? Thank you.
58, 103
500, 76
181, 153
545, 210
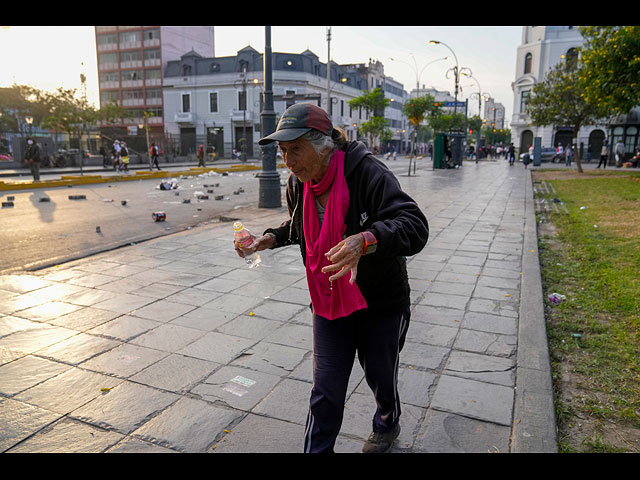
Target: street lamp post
455, 73
269, 178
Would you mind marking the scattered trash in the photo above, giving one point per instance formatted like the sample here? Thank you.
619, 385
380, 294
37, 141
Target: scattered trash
557, 298
159, 216
186, 200
169, 184
219, 197
44, 199
7, 204
107, 200
583, 208
123, 202
11, 198
98, 229
77, 197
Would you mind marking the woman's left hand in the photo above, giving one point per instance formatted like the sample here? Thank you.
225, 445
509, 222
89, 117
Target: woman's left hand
344, 257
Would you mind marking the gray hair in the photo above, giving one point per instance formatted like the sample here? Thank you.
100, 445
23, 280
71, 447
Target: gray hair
320, 142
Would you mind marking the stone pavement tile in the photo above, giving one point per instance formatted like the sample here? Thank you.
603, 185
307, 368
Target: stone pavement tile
124, 360
444, 432
168, 337
432, 334
175, 373
234, 303
288, 401
436, 299
56, 291
47, 311
449, 317
75, 350
17, 302
423, 356
508, 295
471, 398
217, 347
271, 358
33, 339
189, 425
86, 298
415, 386
124, 407
84, 319
304, 370
280, 311
504, 308
451, 288
157, 290
67, 391
204, 318
124, 327
486, 342
485, 322
26, 372
20, 420
22, 283
454, 277
69, 436
220, 285
10, 324
258, 434
467, 258
291, 294
92, 280
484, 368
135, 445
162, 310
193, 296
247, 326
511, 273
497, 282
237, 387
124, 303
300, 336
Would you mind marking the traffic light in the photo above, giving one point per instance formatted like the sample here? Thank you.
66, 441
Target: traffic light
471, 131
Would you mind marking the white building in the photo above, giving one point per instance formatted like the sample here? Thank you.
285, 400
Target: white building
218, 100
541, 49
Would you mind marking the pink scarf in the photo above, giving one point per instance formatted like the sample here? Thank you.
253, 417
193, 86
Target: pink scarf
338, 298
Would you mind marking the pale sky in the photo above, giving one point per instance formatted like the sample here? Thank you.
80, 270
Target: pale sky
48, 57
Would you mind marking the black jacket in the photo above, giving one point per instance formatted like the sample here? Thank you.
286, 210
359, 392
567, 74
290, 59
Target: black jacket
377, 204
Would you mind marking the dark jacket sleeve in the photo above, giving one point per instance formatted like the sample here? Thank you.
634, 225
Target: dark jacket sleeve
398, 223
285, 234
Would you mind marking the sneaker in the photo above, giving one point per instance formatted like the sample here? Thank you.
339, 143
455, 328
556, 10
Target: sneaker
381, 442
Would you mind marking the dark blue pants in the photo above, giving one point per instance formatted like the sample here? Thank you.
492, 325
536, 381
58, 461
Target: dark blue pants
377, 336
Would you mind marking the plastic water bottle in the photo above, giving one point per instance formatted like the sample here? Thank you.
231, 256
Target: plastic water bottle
245, 240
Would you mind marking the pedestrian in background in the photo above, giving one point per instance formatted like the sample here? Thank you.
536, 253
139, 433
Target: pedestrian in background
153, 152
619, 151
568, 155
33, 157
116, 154
604, 153
511, 152
201, 162
124, 156
355, 226
105, 156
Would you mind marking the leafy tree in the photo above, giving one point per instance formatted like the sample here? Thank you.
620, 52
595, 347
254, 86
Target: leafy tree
610, 75
375, 102
560, 100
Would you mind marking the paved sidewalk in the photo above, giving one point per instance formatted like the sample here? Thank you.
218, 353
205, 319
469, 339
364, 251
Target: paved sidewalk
174, 345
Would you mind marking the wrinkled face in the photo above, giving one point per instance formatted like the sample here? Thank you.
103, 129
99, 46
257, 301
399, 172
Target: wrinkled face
302, 160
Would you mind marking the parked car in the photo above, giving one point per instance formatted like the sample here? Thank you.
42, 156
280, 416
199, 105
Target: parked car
547, 154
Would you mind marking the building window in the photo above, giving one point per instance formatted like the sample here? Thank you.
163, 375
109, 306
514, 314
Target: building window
527, 63
186, 103
213, 102
571, 58
242, 100
524, 100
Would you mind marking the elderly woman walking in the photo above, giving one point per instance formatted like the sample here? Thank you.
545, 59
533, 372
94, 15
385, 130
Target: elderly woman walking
355, 226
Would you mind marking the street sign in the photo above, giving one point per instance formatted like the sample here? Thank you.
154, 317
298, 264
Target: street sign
453, 104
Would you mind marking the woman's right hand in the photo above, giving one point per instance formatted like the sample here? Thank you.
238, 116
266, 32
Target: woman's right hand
260, 243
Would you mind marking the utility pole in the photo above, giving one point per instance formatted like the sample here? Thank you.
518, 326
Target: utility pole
269, 178
329, 71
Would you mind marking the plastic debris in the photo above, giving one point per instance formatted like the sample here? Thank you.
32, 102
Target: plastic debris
583, 208
159, 216
7, 204
98, 229
77, 197
557, 298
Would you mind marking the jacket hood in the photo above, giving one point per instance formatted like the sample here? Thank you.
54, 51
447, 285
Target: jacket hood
356, 152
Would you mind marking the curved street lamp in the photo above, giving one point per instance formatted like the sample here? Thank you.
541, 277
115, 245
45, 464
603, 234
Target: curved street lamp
415, 69
455, 72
